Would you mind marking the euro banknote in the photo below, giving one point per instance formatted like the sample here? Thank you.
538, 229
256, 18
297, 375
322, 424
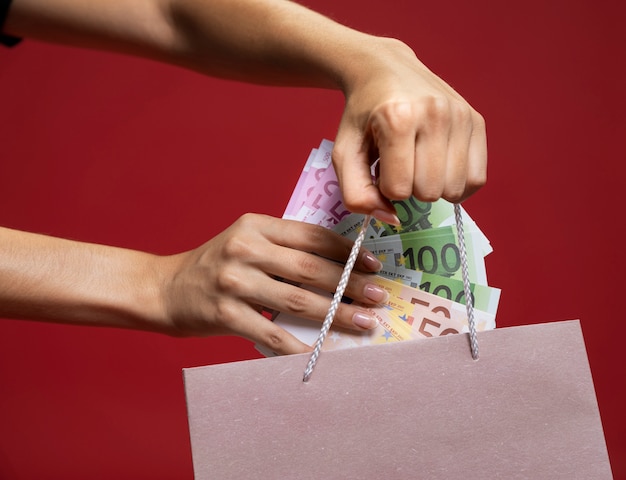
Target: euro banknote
432, 251
436, 214
408, 314
484, 297
421, 263
318, 162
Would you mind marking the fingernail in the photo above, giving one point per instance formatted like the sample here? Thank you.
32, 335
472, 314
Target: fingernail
371, 262
375, 293
364, 321
387, 217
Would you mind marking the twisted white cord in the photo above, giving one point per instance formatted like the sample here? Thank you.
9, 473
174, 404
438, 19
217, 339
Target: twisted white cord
469, 302
334, 304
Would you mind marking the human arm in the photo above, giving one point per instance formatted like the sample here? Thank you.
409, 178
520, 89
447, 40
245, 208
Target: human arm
431, 142
218, 288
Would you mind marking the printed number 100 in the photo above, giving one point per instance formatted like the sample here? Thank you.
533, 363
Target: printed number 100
427, 260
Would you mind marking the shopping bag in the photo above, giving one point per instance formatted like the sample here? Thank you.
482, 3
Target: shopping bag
419, 409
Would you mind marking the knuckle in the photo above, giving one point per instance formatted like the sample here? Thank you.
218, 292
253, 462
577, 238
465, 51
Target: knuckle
275, 339
297, 302
461, 113
248, 219
428, 196
237, 247
248, 222
225, 311
430, 192
454, 193
309, 267
397, 190
477, 180
358, 203
229, 281
338, 153
436, 109
396, 116
317, 233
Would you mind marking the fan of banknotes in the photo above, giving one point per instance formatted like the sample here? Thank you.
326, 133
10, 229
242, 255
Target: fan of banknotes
421, 263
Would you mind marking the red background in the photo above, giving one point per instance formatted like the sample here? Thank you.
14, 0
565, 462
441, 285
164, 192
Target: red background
110, 149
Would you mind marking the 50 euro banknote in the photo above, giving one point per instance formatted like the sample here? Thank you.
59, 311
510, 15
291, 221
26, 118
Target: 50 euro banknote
408, 314
451, 316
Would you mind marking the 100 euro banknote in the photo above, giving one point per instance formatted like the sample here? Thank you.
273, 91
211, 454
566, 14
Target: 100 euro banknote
484, 297
432, 251
438, 214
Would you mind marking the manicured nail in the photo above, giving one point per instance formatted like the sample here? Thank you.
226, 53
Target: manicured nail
371, 262
375, 293
364, 321
387, 217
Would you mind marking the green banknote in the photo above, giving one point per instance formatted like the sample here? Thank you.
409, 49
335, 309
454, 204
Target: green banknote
484, 297
414, 216
433, 251
417, 215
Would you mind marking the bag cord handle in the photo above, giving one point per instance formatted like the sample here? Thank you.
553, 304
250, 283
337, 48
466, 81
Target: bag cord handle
469, 300
334, 304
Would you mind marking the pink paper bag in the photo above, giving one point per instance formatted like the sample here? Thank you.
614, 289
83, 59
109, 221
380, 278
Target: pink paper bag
418, 409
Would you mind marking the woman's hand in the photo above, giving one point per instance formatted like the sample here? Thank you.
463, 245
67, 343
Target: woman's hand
431, 142
221, 287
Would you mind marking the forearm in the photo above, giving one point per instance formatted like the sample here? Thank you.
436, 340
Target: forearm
270, 41
51, 279
265, 41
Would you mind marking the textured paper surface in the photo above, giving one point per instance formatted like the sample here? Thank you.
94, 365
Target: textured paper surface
417, 410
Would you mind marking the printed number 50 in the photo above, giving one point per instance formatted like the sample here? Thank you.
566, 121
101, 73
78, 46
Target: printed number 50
426, 321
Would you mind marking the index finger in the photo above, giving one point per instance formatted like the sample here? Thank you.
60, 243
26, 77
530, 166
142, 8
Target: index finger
394, 132
352, 165
316, 239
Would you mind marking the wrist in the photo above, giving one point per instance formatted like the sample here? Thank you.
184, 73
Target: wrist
116, 288
371, 57
137, 301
